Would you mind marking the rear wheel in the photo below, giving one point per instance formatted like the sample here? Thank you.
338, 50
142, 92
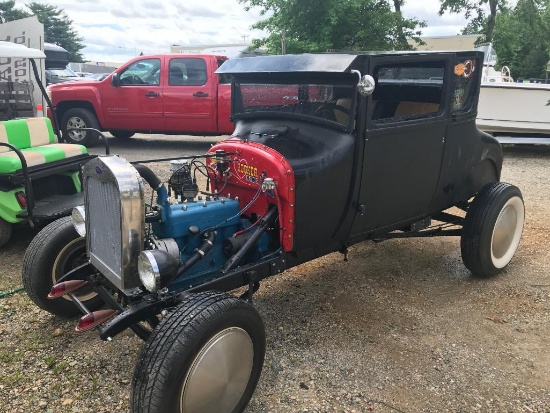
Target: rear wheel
122, 134
79, 118
5, 231
56, 250
206, 356
492, 229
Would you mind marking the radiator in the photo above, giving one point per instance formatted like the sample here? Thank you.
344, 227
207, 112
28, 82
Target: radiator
115, 219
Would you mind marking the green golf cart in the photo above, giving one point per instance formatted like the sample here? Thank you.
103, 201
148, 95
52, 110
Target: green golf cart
40, 176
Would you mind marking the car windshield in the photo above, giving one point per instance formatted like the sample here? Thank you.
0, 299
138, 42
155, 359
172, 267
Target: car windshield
490, 56
326, 102
63, 72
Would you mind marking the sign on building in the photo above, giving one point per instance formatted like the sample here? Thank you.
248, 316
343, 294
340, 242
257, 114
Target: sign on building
29, 32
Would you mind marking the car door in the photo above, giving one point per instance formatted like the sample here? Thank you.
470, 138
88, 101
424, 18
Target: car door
137, 103
405, 139
189, 96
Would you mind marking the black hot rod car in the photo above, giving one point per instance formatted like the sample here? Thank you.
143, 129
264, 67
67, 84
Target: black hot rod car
328, 150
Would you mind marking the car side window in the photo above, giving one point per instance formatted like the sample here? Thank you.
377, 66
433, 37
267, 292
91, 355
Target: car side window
409, 91
142, 72
187, 72
465, 78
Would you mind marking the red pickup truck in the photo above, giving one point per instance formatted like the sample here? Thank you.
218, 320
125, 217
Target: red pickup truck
168, 93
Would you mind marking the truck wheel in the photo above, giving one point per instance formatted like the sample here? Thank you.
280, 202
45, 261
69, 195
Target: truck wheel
492, 229
121, 134
79, 118
206, 356
53, 252
5, 232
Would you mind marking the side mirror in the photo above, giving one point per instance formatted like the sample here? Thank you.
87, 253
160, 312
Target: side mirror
366, 85
115, 80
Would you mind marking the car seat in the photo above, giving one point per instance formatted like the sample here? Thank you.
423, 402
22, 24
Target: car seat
196, 77
176, 76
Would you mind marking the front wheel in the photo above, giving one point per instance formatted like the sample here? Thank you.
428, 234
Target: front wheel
122, 134
54, 251
205, 356
492, 229
79, 118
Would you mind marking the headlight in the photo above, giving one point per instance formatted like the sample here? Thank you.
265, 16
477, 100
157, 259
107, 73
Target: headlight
79, 220
49, 93
156, 268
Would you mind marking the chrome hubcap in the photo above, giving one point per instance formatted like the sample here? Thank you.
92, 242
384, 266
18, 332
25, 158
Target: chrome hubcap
76, 122
219, 374
507, 232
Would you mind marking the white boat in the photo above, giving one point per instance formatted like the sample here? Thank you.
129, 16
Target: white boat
513, 112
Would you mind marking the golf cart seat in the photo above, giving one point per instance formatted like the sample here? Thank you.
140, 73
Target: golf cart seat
36, 140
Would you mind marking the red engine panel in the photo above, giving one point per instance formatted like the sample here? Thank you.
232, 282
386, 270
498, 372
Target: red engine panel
250, 163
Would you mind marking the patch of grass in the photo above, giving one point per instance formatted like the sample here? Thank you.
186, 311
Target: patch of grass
32, 344
56, 388
10, 356
95, 382
59, 367
50, 362
12, 378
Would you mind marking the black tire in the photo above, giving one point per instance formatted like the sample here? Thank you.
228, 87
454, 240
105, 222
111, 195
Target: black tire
55, 250
492, 229
5, 231
186, 344
122, 134
81, 118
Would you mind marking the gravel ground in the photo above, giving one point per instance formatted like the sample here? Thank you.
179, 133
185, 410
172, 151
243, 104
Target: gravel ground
400, 327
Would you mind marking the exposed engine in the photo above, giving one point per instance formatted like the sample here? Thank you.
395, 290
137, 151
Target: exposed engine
189, 235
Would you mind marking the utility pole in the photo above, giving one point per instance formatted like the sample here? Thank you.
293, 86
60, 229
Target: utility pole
283, 42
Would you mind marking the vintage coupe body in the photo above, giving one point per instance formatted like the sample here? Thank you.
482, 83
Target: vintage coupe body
328, 150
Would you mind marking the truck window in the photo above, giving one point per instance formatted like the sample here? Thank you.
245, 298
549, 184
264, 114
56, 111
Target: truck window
187, 72
224, 78
142, 72
408, 91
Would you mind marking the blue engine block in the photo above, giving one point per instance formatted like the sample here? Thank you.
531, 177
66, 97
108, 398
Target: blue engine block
221, 213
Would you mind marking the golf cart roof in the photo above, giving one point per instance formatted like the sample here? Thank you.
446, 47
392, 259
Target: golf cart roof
9, 49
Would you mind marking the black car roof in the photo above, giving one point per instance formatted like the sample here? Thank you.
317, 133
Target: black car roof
323, 62
289, 63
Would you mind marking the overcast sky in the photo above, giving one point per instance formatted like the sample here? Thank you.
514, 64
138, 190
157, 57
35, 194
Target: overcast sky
116, 30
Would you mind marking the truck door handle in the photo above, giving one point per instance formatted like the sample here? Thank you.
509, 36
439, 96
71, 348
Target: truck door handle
200, 95
152, 94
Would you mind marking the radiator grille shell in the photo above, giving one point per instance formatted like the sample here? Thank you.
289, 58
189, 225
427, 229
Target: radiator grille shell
115, 219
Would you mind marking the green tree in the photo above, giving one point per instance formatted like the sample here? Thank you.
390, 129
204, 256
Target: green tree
477, 26
8, 12
475, 11
58, 29
521, 38
297, 26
